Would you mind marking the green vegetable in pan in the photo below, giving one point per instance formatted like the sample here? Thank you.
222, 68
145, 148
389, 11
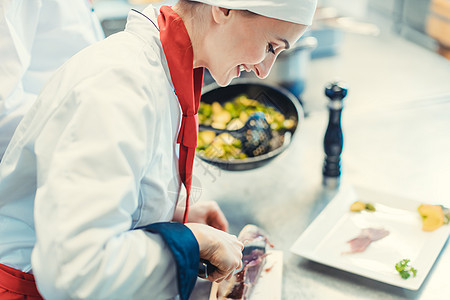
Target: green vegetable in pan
232, 116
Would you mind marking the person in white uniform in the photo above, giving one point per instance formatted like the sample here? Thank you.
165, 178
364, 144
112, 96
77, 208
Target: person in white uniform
36, 38
86, 202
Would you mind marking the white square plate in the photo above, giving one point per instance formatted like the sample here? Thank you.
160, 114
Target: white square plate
325, 240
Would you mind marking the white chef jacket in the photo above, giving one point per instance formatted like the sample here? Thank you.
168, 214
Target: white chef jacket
37, 37
96, 156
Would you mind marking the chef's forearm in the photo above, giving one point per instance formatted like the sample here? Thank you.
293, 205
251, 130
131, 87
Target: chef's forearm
129, 266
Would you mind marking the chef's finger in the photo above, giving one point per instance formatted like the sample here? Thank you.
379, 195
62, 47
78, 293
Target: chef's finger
229, 276
241, 245
240, 266
216, 277
217, 219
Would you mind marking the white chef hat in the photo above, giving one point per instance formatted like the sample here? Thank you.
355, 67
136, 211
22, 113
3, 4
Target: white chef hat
296, 11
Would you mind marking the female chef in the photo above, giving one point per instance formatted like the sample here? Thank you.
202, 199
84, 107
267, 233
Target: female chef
36, 38
85, 201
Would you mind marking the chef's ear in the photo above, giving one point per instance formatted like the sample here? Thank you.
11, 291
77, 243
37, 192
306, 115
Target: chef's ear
220, 15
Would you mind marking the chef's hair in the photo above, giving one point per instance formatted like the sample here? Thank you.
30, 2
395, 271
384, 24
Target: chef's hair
196, 7
194, 12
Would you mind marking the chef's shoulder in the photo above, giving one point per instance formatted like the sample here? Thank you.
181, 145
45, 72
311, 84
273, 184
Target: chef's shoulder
122, 63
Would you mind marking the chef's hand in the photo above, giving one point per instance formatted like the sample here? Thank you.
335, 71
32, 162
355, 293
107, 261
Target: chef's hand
221, 249
204, 212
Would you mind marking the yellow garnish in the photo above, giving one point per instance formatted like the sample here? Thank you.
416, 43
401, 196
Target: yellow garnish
432, 216
357, 206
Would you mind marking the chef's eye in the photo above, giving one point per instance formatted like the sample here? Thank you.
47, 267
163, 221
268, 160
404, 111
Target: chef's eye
270, 48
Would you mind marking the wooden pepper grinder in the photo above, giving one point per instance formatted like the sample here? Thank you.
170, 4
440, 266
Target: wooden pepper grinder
333, 141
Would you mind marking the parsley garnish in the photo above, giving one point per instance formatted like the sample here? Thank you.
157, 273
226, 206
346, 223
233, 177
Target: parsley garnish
405, 269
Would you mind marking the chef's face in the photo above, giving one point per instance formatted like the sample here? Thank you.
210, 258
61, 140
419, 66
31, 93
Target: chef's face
249, 42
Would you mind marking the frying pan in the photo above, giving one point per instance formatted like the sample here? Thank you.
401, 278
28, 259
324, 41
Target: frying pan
269, 95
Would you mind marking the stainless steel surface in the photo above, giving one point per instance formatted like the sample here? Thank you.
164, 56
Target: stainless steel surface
396, 127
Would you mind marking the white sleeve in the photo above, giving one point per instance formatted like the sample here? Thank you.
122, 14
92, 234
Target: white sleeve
91, 155
18, 25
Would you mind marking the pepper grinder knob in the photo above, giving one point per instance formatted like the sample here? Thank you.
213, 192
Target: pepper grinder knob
334, 141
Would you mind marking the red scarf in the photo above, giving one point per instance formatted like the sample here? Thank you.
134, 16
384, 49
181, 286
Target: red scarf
187, 82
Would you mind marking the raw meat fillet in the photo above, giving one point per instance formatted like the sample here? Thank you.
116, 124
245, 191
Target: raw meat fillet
240, 286
365, 238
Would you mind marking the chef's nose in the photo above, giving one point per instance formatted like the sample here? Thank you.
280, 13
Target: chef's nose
263, 68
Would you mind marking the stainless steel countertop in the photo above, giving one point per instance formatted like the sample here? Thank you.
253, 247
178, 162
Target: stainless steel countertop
396, 126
